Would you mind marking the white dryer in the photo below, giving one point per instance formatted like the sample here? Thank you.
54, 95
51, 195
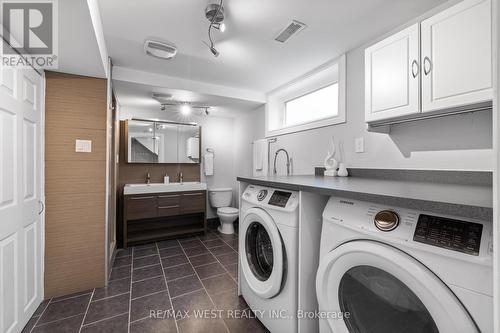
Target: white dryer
387, 269
268, 247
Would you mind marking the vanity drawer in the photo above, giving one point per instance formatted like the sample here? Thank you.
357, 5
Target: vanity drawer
141, 207
169, 200
193, 202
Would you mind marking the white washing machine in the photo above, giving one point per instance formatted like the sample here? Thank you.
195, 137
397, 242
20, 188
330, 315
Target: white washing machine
386, 269
268, 247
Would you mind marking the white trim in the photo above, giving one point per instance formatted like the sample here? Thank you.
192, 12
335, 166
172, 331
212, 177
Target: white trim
42, 185
323, 76
95, 17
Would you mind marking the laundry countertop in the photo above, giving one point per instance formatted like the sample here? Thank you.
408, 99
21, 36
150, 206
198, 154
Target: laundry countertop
468, 200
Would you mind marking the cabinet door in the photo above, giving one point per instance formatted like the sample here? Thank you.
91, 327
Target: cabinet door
392, 73
456, 56
141, 207
193, 202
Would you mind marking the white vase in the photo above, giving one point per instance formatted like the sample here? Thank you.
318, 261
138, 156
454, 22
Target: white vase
342, 172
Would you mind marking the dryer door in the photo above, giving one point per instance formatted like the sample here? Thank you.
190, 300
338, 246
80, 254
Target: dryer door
262, 263
374, 287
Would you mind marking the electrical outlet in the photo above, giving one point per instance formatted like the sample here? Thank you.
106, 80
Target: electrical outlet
359, 145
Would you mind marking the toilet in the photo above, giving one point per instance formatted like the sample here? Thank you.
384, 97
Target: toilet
221, 199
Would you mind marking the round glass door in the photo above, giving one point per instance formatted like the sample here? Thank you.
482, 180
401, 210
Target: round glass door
372, 287
377, 302
262, 264
259, 251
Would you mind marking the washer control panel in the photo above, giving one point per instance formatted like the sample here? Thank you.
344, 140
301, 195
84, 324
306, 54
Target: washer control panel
279, 198
261, 195
448, 233
271, 198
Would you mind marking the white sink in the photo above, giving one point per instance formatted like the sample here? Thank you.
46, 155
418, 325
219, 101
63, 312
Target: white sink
161, 188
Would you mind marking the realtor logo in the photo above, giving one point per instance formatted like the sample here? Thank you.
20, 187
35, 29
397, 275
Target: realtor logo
29, 31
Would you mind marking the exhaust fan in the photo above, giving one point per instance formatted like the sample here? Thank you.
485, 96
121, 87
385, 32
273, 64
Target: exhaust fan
290, 30
160, 50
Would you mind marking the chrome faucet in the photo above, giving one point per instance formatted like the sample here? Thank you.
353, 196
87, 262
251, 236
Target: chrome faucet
148, 179
287, 161
181, 177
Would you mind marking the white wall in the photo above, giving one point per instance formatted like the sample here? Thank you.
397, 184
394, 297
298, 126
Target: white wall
216, 133
462, 142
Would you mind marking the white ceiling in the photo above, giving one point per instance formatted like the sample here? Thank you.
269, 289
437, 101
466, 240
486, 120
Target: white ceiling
138, 96
250, 58
78, 48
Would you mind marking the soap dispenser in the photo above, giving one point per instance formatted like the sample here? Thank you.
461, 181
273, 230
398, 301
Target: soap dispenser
166, 179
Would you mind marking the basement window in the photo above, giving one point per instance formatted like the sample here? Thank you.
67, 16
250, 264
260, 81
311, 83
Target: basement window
316, 99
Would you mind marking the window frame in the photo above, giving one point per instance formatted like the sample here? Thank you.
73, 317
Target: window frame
322, 77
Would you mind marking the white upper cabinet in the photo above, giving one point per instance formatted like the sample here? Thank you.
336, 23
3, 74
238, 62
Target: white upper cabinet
443, 63
457, 57
392, 86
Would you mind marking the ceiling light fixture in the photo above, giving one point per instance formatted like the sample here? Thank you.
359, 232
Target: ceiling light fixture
215, 14
186, 109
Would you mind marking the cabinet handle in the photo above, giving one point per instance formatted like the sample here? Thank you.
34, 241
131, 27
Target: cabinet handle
169, 196
427, 61
193, 194
141, 198
414, 68
166, 207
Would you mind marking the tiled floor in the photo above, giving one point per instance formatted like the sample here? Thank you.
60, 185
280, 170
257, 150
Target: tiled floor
166, 278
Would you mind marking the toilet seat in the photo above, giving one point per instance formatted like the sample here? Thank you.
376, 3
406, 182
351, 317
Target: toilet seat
228, 210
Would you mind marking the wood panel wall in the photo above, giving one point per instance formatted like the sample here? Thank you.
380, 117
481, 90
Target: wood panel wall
75, 108
133, 173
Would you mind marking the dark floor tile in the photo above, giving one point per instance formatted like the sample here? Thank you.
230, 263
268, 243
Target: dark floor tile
29, 325
145, 252
146, 261
141, 307
114, 288
237, 325
202, 259
153, 325
209, 270
80, 293
222, 250
147, 272
184, 285
196, 251
234, 244
41, 308
149, 286
174, 261
123, 252
187, 243
118, 324
219, 284
197, 300
120, 273
106, 308
209, 236
233, 270
123, 261
229, 301
226, 238
65, 309
171, 251
214, 243
167, 243
193, 325
175, 272
228, 258
68, 325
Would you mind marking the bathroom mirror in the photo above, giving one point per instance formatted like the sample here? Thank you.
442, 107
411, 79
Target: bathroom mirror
162, 142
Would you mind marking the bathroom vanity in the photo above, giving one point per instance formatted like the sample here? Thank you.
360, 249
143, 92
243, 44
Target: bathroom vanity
153, 212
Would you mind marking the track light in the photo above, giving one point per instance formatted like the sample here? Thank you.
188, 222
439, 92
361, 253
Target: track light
186, 109
214, 51
215, 15
220, 26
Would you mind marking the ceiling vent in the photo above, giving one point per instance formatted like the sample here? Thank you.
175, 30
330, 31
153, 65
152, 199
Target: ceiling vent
292, 29
160, 49
161, 97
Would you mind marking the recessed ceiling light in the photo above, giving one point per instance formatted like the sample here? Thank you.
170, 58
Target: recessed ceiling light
186, 109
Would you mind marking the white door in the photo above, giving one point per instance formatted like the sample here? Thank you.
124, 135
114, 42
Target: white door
262, 263
457, 56
378, 288
392, 76
21, 110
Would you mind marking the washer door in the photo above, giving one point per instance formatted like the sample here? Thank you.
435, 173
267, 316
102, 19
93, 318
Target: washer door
381, 289
262, 265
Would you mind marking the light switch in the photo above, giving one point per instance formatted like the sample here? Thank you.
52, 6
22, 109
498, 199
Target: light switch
359, 145
83, 146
